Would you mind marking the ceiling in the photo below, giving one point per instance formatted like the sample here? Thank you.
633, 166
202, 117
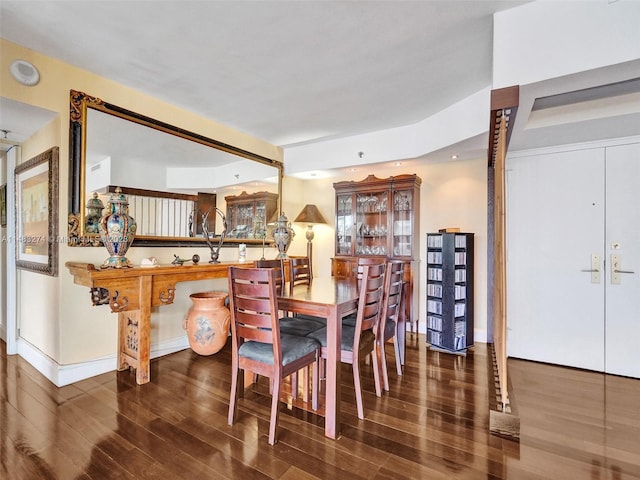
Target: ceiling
288, 72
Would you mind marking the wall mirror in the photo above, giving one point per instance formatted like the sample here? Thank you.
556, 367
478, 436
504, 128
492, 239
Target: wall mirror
170, 175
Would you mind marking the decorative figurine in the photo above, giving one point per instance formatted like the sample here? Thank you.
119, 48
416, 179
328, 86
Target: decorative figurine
94, 213
180, 261
215, 249
283, 235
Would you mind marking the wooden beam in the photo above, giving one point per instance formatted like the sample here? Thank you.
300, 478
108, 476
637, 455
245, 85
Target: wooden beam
504, 103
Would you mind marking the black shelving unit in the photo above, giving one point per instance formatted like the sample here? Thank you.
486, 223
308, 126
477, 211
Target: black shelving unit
450, 291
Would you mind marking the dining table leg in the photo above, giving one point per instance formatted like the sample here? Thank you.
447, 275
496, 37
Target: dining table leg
332, 387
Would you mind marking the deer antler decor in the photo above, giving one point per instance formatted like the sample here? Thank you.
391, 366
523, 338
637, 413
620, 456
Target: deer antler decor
214, 247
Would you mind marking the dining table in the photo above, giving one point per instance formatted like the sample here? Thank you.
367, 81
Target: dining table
331, 298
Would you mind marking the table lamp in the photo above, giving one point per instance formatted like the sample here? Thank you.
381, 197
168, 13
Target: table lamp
309, 215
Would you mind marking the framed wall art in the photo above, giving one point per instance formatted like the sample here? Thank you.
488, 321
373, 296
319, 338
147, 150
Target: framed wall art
3, 205
36, 182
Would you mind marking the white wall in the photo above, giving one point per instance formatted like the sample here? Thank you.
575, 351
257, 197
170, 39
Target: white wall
549, 39
3, 256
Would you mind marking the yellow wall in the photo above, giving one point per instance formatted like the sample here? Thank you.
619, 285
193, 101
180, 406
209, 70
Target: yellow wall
38, 300
55, 315
66, 327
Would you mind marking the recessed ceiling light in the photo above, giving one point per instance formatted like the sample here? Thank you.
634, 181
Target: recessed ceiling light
398, 164
354, 169
24, 72
454, 157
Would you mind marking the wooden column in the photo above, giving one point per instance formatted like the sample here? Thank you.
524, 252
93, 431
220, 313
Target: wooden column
504, 105
499, 267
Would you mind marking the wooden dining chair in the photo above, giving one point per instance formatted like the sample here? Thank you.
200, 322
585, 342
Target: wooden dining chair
257, 343
360, 340
297, 325
300, 325
279, 270
362, 261
388, 325
300, 272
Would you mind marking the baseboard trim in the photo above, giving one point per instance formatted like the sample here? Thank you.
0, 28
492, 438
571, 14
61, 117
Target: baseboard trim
479, 336
61, 375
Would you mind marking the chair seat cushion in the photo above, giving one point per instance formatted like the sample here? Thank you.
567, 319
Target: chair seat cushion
350, 320
293, 348
348, 336
321, 320
300, 326
389, 329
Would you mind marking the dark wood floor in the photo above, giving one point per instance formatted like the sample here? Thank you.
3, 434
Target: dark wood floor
434, 423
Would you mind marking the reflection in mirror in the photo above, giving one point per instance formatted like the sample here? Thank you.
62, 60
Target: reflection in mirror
171, 176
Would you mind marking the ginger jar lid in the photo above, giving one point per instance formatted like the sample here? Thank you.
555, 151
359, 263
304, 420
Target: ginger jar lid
118, 197
95, 202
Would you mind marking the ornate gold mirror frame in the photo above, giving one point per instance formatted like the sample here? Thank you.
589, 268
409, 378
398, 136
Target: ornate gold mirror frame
79, 104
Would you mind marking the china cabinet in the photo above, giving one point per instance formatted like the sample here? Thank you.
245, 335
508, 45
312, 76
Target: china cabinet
379, 218
248, 213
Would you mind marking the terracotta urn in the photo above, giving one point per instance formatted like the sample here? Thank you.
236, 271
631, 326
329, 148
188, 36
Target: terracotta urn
207, 322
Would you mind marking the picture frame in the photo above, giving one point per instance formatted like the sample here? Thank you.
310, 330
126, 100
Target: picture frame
3, 205
36, 204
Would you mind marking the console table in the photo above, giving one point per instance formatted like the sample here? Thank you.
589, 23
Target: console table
131, 292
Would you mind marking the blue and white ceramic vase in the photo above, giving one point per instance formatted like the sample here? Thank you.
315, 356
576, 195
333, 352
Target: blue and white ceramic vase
94, 214
117, 230
283, 235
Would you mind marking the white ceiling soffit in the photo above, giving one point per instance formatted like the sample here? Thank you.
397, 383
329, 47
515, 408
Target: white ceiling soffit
286, 72
20, 121
589, 106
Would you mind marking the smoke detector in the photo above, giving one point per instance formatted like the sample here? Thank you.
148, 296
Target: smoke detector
24, 72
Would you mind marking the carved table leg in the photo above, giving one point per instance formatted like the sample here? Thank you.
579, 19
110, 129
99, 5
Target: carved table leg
144, 329
128, 339
133, 334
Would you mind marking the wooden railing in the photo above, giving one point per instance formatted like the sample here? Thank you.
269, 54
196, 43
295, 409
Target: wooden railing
163, 214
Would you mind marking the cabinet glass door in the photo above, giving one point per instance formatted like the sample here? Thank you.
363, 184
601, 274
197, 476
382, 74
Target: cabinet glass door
402, 223
344, 224
371, 223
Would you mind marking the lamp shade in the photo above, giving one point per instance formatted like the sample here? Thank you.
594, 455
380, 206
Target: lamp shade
310, 214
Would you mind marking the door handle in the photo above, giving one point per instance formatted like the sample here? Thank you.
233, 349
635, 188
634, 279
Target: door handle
616, 279
595, 268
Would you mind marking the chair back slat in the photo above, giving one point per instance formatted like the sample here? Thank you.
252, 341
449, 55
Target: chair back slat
252, 319
254, 334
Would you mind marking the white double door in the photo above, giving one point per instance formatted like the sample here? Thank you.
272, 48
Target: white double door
573, 258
